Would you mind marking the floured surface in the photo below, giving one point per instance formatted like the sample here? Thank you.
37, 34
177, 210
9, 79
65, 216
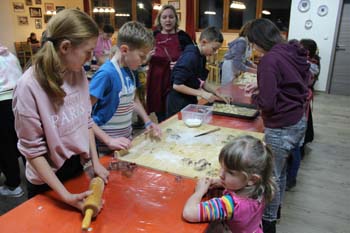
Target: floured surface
179, 152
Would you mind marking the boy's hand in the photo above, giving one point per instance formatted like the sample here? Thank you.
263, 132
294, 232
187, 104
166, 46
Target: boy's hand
226, 99
118, 143
153, 130
208, 96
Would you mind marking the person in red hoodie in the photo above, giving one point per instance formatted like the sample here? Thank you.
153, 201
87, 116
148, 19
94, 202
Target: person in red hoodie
280, 94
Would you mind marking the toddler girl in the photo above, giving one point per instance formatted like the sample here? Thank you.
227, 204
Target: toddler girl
246, 174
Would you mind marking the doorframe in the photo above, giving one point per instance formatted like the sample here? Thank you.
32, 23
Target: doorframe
335, 42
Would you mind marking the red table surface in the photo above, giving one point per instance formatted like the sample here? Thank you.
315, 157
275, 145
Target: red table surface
144, 201
238, 95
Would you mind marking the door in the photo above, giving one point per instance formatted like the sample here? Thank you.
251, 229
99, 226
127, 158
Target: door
340, 81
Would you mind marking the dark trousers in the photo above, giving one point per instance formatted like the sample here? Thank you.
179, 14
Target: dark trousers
177, 101
8, 144
71, 168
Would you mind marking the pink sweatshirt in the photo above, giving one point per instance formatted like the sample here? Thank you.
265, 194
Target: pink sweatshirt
103, 46
42, 131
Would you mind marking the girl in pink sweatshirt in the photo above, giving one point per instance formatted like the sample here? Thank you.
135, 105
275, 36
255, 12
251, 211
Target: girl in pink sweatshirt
52, 108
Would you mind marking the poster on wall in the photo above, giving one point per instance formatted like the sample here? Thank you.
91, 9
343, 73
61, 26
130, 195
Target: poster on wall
175, 3
18, 6
29, 2
38, 24
35, 12
38, 2
47, 18
22, 20
59, 8
49, 7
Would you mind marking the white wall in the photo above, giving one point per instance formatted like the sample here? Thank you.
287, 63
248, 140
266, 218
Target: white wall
11, 31
7, 26
323, 31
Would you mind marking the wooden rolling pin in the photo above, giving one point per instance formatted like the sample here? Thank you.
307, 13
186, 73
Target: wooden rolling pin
120, 153
93, 202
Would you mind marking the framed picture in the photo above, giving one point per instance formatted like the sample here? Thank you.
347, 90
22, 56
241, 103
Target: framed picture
175, 3
49, 7
38, 2
178, 15
59, 8
38, 24
18, 6
22, 20
29, 2
35, 12
47, 18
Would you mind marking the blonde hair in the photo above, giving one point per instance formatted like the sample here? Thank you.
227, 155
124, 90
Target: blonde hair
70, 24
160, 12
251, 156
244, 29
135, 35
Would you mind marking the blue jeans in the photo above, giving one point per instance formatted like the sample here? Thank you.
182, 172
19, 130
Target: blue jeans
282, 141
294, 164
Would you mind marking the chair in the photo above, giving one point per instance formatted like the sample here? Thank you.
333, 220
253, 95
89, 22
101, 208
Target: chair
214, 65
24, 52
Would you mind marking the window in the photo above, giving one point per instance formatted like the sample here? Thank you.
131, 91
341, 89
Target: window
224, 14
238, 17
278, 12
231, 15
210, 13
144, 12
123, 11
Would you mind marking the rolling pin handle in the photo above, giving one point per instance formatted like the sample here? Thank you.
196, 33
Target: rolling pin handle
87, 218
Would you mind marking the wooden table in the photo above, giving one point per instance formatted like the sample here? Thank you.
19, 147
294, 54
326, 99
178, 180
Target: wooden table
144, 200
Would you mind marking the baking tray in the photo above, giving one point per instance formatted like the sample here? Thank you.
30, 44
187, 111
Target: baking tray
249, 117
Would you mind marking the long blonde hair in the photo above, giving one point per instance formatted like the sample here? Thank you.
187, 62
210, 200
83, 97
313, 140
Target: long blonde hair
70, 24
251, 156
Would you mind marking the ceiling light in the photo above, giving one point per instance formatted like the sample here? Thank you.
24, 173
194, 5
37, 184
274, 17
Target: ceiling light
157, 7
122, 15
103, 10
266, 12
141, 5
237, 5
209, 12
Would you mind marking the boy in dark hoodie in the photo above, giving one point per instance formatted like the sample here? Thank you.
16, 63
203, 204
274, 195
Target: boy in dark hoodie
280, 94
189, 74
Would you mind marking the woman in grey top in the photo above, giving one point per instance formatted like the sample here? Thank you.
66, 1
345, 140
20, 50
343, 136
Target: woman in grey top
236, 58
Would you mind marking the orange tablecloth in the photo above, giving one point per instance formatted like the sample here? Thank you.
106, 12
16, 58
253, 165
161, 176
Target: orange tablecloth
239, 96
143, 201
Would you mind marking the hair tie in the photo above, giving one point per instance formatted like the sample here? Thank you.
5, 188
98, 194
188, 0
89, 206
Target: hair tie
50, 39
